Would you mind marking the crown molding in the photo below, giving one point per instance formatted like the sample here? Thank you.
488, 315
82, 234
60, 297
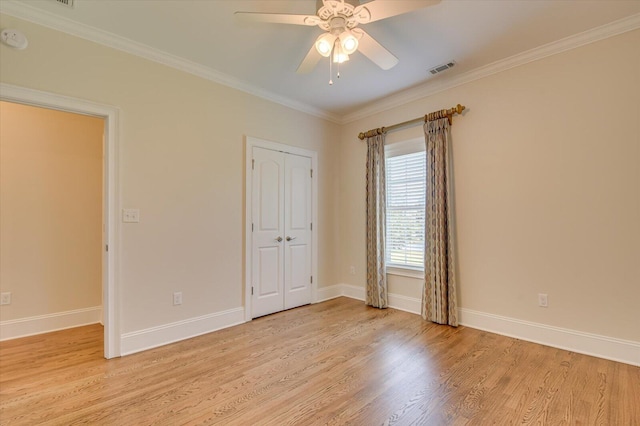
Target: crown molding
430, 88
32, 14
37, 16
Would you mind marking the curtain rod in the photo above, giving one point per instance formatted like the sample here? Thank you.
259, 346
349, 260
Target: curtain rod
428, 117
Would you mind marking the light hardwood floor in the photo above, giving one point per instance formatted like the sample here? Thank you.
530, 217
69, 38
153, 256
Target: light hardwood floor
336, 362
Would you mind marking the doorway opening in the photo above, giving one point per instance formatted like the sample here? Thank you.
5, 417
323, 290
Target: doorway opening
65, 205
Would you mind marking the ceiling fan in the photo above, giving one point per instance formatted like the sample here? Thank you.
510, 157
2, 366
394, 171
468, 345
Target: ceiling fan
342, 37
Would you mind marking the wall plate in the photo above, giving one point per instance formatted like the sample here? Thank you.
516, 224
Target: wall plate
130, 215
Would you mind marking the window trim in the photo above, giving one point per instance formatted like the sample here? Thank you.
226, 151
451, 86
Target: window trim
406, 271
405, 147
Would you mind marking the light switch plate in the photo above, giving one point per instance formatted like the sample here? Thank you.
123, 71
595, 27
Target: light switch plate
130, 215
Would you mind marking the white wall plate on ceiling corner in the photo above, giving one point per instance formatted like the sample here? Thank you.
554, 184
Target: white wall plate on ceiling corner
14, 38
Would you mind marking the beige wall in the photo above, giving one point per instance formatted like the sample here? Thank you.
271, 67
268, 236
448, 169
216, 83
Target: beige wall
51, 215
182, 164
546, 175
547, 189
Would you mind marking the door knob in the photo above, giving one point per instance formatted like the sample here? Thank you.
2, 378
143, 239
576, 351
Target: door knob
279, 239
291, 238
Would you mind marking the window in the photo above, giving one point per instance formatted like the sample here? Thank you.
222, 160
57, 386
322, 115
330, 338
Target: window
406, 180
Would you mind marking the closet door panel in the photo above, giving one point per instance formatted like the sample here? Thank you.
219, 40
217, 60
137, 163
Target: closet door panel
268, 231
297, 255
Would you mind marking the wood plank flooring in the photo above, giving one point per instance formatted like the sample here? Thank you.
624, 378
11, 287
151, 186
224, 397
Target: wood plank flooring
333, 363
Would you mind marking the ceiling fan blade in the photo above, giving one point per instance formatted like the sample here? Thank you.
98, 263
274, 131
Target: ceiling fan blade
382, 9
373, 50
277, 18
310, 61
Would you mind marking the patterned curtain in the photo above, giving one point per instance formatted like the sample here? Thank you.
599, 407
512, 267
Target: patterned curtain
439, 294
376, 221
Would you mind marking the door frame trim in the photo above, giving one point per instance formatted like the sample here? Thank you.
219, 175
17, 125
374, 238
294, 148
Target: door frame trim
250, 143
110, 188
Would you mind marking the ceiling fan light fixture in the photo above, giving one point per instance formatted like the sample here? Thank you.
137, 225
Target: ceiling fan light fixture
340, 58
348, 42
339, 55
324, 44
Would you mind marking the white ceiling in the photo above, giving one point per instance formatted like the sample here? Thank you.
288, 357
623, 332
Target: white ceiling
262, 58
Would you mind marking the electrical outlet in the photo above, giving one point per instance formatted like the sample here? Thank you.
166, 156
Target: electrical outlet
177, 298
352, 270
5, 298
542, 300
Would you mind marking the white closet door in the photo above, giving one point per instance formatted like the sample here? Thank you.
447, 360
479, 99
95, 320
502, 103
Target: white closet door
297, 226
281, 251
268, 232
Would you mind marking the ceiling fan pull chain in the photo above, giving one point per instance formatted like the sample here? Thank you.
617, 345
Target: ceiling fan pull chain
330, 71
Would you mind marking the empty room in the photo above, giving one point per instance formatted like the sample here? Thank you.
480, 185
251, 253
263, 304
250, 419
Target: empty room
346, 212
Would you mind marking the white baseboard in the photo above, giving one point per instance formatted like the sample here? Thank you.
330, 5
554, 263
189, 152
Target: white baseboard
353, 291
153, 337
396, 301
626, 351
327, 293
572, 340
405, 303
23, 327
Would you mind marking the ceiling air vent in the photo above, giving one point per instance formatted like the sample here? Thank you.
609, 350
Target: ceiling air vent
68, 3
443, 67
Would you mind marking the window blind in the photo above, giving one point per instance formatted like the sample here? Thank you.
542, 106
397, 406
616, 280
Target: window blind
405, 176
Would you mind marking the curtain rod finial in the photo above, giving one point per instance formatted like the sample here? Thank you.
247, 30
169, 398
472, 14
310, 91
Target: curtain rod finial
361, 136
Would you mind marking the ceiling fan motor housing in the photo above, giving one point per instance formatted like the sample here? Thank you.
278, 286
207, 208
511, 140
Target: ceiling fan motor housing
337, 25
349, 10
